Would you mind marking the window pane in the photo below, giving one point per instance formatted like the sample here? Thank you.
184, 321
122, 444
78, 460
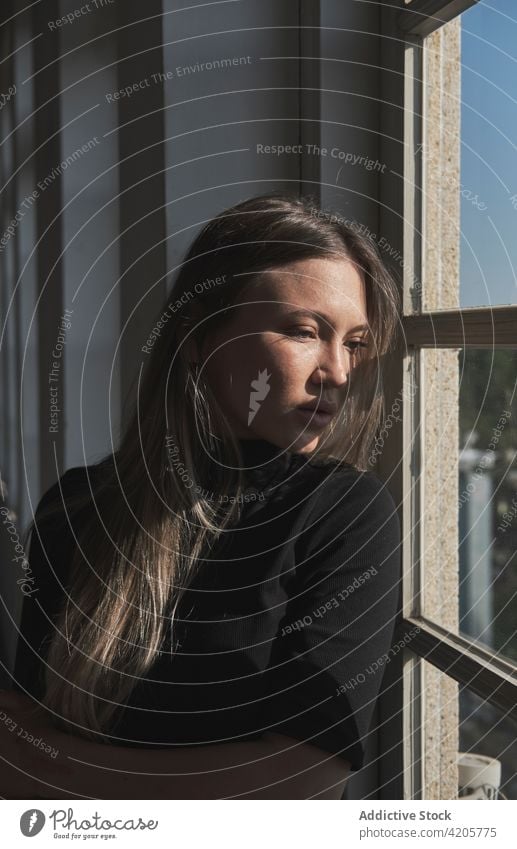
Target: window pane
488, 498
469, 746
470, 494
486, 733
470, 159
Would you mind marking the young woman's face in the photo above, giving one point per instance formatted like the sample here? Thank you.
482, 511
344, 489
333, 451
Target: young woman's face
289, 343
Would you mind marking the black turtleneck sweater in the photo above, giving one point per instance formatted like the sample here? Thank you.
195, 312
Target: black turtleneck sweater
285, 628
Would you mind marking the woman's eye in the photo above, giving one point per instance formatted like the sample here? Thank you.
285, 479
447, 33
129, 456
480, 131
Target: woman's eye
307, 333
355, 344
303, 332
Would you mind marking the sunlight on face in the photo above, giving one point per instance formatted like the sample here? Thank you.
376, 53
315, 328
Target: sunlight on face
290, 341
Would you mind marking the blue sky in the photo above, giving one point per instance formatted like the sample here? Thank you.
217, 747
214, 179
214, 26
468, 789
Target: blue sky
489, 154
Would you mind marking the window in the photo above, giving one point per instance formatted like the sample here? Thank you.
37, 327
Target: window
459, 474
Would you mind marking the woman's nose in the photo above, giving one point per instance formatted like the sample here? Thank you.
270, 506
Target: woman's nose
333, 368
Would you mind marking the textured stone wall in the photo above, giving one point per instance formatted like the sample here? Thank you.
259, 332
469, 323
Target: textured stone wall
440, 385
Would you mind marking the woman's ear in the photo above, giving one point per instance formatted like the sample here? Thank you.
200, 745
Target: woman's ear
195, 334
191, 348
188, 332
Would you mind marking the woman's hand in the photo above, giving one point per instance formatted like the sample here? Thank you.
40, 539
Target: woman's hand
32, 761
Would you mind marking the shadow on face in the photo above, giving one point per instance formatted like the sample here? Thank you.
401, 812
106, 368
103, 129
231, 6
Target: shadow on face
291, 340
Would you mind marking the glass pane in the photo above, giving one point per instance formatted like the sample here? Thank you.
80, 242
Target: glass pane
470, 159
488, 743
488, 498
469, 746
470, 494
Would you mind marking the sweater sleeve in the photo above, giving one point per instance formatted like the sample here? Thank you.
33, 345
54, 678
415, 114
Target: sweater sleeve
51, 543
328, 657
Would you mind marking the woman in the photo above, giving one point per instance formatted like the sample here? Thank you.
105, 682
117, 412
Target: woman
214, 596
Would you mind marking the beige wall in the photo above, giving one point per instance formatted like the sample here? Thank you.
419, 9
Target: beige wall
441, 221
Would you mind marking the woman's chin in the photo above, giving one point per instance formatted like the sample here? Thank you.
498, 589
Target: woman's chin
305, 443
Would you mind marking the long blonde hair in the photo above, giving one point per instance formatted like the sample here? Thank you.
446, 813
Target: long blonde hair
145, 531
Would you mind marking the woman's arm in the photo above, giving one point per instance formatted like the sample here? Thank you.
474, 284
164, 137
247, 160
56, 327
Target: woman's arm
273, 767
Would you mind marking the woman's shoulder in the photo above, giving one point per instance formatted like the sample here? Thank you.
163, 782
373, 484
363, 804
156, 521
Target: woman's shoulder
72, 490
348, 506
335, 482
62, 512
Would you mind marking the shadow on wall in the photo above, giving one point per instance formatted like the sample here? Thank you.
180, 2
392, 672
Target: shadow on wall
10, 563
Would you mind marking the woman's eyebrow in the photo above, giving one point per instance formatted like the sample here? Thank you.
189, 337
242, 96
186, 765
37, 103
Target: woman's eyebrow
322, 317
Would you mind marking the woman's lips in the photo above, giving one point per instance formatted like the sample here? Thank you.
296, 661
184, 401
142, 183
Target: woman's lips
316, 418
